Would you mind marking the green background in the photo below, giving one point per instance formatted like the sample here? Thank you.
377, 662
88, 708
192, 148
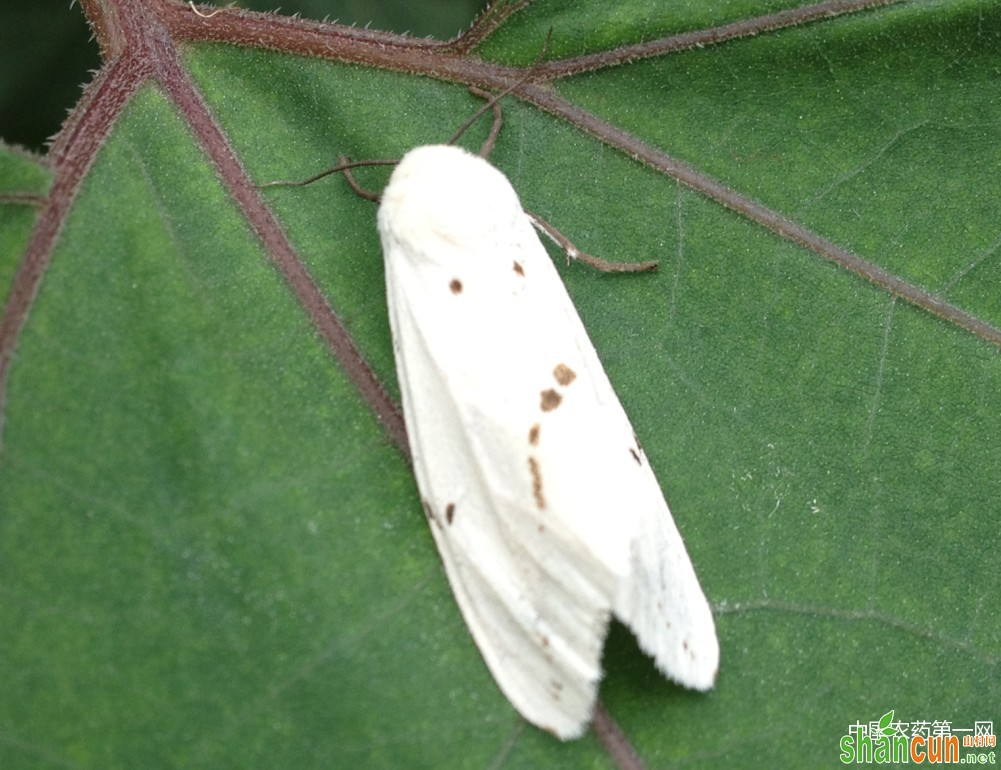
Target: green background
47, 52
212, 556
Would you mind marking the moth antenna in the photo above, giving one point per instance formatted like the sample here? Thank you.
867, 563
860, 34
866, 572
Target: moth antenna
492, 102
343, 164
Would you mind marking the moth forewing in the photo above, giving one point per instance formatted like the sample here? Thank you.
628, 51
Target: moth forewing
534, 598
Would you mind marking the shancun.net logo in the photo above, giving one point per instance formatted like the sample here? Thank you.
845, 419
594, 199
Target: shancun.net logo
921, 742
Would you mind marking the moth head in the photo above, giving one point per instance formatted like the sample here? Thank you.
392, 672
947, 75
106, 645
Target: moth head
442, 203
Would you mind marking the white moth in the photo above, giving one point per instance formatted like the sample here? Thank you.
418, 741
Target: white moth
545, 511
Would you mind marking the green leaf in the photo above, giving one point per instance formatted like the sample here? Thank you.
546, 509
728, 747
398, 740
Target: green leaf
24, 179
212, 554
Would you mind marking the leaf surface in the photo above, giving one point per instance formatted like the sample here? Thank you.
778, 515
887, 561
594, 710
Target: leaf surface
213, 554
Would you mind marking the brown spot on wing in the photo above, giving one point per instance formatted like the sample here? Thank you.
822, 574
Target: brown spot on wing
455, 285
564, 374
518, 268
533, 434
429, 512
550, 400
533, 466
449, 512
636, 456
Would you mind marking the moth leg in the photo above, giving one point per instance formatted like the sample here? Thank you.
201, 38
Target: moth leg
360, 191
491, 140
573, 252
493, 103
